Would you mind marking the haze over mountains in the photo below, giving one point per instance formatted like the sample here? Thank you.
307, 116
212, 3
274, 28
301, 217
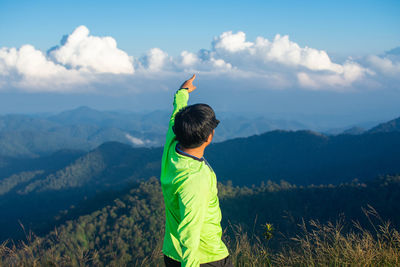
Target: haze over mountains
84, 128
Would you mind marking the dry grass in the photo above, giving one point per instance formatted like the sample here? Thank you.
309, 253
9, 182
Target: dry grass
317, 245
247, 251
36, 252
329, 245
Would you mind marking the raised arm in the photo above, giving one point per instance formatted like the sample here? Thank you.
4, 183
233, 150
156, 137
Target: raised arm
180, 101
181, 97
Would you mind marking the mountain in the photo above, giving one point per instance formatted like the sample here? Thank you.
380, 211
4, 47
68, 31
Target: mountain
233, 126
85, 129
41, 188
357, 128
354, 130
390, 126
300, 157
36, 190
49, 163
305, 157
83, 115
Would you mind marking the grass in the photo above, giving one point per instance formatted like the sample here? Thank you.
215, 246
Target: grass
36, 252
317, 244
329, 245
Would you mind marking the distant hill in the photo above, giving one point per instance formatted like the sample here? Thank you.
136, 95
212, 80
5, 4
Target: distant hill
390, 126
41, 188
48, 163
305, 157
354, 130
25, 136
85, 128
110, 165
300, 157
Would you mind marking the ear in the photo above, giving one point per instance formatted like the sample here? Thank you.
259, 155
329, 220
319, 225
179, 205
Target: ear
210, 137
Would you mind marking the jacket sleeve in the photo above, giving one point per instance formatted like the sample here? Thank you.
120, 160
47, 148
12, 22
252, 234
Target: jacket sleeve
193, 201
180, 101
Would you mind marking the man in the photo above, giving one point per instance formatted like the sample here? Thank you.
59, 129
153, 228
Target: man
192, 228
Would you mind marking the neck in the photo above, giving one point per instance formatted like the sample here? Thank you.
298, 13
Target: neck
198, 152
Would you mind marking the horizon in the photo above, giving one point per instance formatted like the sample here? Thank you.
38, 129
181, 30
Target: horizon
309, 123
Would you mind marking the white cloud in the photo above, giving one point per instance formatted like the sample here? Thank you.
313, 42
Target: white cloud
312, 67
136, 141
29, 68
27, 61
350, 72
204, 61
155, 60
385, 65
233, 48
188, 59
78, 61
274, 61
284, 51
92, 53
232, 42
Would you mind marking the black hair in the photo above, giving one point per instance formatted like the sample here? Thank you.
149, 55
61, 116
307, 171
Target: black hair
194, 124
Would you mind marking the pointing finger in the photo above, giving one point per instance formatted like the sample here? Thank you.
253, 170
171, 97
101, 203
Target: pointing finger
193, 77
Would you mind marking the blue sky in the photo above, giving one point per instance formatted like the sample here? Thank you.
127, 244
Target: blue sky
314, 57
342, 27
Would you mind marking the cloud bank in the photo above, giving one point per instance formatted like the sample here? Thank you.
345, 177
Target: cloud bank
79, 60
92, 54
85, 61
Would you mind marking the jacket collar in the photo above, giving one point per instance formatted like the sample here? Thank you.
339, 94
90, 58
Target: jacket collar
179, 151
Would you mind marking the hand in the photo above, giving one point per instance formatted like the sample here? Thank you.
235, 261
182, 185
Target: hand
188, 84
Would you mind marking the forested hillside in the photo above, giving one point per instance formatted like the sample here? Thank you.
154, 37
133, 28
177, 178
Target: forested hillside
129, 229
305, 157
94, 200
390, 126
38, 192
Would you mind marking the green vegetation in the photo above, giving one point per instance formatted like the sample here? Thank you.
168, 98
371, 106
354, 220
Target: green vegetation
305, 157
98, 208
11, 182
129, 230
67, 178
36, 196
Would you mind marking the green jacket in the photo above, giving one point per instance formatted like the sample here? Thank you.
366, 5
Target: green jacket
192, 227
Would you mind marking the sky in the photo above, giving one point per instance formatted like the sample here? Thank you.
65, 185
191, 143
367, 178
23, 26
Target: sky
333, 60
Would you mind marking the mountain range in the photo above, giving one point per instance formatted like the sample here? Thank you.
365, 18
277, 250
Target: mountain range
38, 190
85, 129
